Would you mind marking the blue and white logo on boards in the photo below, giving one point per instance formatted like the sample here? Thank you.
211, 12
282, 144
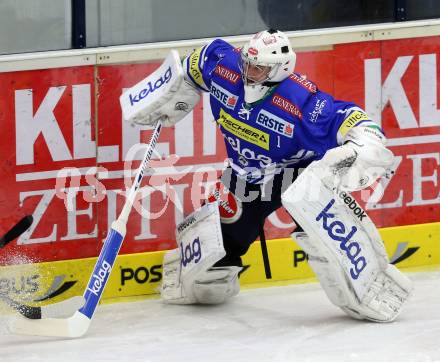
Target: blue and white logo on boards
275, 123
225, 97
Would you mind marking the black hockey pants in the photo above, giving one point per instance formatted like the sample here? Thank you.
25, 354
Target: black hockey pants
238, 236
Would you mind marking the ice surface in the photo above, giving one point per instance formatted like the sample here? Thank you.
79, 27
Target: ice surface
288, 323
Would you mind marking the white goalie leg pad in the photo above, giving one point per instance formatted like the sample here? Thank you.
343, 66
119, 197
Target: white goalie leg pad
382, 301
188, 273
345, 250
217, 285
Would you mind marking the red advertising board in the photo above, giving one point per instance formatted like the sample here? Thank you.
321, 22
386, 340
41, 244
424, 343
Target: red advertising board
68, 120
47, 123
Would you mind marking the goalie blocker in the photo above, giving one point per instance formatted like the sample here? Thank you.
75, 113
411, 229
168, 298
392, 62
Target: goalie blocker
345, 249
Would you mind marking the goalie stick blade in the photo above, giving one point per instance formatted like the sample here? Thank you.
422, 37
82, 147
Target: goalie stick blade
56, 310
62, 309
16, 230
73, 327
25, 310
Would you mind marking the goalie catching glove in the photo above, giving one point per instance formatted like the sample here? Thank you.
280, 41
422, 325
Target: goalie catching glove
182, 101
188, 273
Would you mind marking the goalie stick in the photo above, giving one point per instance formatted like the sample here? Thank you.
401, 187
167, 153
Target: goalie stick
78, 324
18, 229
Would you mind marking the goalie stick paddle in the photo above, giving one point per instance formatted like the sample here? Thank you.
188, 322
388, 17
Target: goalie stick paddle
16, 230
78, 324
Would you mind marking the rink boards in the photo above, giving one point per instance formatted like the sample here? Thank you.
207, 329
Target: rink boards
67, 146
65, 159
411, 248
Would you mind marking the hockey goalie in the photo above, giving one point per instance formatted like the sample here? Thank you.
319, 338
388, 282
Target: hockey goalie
277, 123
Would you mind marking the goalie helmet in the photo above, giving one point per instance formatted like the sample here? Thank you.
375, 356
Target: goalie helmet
266, 59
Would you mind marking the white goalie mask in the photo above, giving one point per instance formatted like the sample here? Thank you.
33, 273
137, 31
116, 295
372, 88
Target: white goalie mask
267, 59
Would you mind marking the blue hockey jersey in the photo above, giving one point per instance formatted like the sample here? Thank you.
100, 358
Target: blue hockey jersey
291, 127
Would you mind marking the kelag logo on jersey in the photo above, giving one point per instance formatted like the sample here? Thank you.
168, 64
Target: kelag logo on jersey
226, 98
275, 123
